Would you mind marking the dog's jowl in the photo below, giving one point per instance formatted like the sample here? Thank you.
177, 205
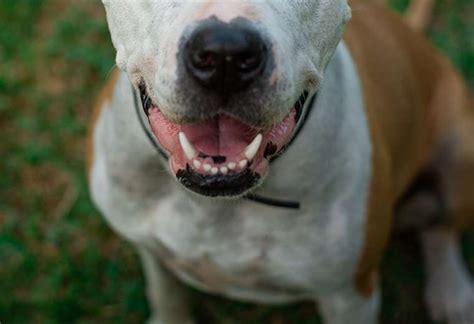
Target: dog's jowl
258, 150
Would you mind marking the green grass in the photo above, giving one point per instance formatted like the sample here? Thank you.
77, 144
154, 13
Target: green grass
59, 261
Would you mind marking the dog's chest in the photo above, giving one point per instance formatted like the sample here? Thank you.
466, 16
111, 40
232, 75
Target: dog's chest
257, 252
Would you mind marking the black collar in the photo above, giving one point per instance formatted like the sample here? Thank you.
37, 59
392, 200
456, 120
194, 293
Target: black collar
253, 197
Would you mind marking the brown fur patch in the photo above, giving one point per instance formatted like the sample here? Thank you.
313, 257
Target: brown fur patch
409, 111
419, 14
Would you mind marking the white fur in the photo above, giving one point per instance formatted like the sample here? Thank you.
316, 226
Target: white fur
239, 248
146, 35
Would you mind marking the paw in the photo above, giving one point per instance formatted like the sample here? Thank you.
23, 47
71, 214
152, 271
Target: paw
453, 303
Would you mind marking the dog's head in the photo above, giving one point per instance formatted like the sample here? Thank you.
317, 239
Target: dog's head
225, 83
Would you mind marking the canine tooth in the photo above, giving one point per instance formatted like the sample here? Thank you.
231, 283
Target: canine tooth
197, 164
207, 167
188, 148
232, 165
214, 170
243, 164
224, 170
252, 149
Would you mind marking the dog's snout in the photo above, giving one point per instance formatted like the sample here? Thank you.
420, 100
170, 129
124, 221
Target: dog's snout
225, 57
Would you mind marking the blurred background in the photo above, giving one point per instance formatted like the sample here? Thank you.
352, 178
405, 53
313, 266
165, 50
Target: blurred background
59, 261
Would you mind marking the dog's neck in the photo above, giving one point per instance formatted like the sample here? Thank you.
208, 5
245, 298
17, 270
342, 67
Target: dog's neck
323, 153
334, 141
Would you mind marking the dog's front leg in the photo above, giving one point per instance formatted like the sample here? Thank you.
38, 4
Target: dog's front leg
348, 306
166, 295
449, 293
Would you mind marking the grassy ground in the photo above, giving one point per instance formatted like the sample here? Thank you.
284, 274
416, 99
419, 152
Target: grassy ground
59, 262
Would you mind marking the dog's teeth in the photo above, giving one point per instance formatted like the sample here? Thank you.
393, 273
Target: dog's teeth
232, 165
214, 171
224, 170
252, 149
188, 148
243, 164
197, 164
207, 167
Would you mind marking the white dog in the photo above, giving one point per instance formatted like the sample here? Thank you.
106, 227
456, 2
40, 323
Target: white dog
258, 149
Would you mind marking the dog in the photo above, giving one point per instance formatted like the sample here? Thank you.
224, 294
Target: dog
265, 150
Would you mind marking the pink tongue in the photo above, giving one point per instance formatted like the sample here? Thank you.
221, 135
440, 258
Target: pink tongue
222, 135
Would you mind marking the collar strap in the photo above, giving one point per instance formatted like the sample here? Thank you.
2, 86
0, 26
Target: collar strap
273, 202
252, 197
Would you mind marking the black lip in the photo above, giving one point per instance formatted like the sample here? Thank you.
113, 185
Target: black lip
218, 185
299, 105
144, 97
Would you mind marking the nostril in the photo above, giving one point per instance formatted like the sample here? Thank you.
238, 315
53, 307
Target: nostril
248, 62
250, 58
225, 56
203, 60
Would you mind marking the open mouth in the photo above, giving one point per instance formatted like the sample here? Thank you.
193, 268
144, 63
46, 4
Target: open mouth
221, 156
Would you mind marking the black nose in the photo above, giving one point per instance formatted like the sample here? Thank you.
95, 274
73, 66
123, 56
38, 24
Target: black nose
225, 57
